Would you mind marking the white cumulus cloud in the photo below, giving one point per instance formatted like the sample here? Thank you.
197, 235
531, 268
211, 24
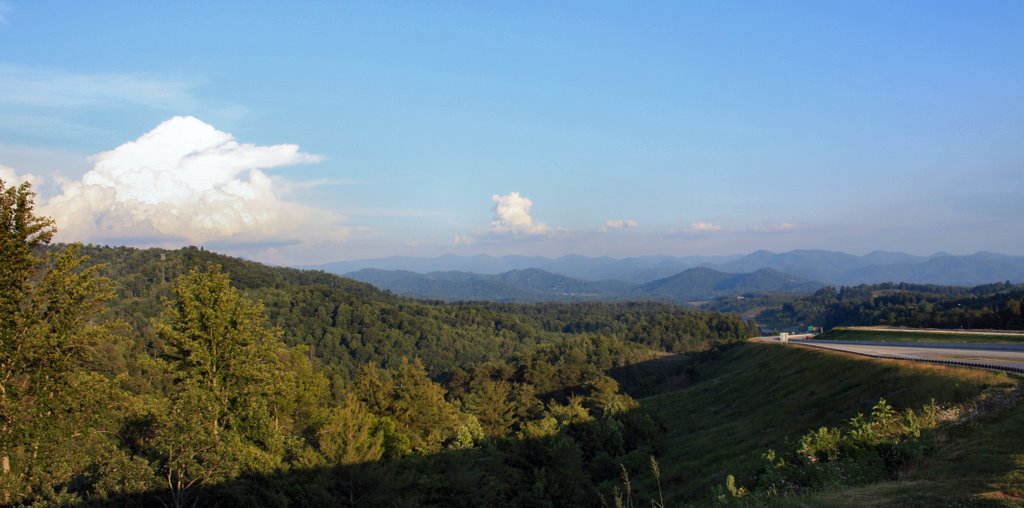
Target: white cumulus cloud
512, 215
11, 178
187, 180
621, 223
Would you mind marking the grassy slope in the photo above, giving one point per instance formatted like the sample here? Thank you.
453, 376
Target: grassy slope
919, 336
984, 467
758, 396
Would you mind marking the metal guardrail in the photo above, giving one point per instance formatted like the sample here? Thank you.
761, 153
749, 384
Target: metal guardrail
1003, 368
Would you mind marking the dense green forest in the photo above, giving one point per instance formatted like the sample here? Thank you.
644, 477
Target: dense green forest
146, 377
347, 323
991, 306
749, 303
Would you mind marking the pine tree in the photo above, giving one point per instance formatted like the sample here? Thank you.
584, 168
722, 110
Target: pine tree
420, 409
351, 435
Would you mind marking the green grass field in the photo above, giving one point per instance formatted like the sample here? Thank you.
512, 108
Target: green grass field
760, 396
895, 335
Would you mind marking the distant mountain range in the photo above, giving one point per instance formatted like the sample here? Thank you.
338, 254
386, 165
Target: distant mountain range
828, 267
535, 285
846, 269
634, 269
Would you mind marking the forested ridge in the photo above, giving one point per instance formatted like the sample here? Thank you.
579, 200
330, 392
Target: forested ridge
990, 306
142, 377
348, 323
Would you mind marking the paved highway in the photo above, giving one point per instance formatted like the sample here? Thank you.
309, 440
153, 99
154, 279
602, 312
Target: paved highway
1008, 357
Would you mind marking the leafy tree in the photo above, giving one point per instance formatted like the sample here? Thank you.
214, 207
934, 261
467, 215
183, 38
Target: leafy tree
220, 342
49, 306
21, 233
300, 392
225, 359
187, 452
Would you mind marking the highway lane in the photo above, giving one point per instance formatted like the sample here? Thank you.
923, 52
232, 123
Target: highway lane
991, 356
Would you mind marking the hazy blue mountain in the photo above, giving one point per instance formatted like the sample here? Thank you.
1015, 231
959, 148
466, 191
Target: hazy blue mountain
529, 285
605, 268
547, 283
447, 263
879, 258
836, 268
976, 269
704, 283
635, 269
845, 269
534, 285
449, 286
826, 266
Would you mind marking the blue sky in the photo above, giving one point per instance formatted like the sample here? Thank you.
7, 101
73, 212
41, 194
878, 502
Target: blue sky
368, 129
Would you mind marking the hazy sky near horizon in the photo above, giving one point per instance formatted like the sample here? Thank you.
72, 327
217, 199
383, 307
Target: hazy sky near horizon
306, 132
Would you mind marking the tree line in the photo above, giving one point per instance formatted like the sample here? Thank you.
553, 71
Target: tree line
991, 306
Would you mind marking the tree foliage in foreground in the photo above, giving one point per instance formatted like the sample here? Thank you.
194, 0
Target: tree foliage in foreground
48, 331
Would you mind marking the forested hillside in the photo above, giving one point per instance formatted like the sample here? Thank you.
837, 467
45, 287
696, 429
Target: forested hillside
348, 323
991, 306
705, 283
142, 377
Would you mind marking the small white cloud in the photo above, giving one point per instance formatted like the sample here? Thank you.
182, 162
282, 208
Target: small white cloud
4, 9
773, 228
11, 178
512, 215
699, 227
187, 180
621, 223
463, 240
704, 227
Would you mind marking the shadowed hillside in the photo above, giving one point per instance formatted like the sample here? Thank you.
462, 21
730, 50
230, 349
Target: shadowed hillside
740, 403
755, 397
